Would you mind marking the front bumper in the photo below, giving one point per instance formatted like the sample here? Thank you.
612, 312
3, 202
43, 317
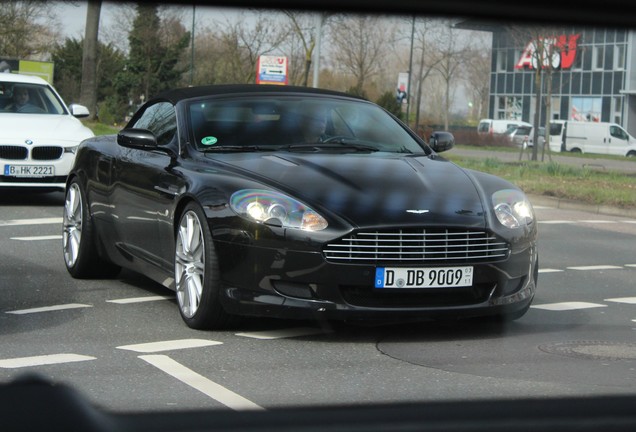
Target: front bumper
303, 285
37, 179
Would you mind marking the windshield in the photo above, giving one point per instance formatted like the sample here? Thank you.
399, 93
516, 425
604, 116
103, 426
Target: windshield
28, 99
283, 121
387, 246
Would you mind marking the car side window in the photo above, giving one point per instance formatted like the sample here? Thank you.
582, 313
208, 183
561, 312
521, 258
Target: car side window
617, 132
161, 120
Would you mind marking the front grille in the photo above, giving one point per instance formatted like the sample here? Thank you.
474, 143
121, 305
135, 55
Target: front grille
417, 245
47, 153
13, 152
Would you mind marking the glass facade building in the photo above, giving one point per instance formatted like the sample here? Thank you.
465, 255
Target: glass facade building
586, 74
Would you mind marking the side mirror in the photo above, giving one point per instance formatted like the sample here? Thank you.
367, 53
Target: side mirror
79, 111
441, 141
141, 139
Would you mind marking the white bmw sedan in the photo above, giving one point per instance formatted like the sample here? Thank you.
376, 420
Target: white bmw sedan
39, 134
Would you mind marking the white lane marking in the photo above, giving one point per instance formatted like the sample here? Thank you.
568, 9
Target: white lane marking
549, 270
49, 308
138, 299
38, 238
557, 222
567, 306
630, 265
627, 300
629, 221
598, 221
201, 383
43, 360
541, 207
280, 334
40, 221
168, 345
596, 267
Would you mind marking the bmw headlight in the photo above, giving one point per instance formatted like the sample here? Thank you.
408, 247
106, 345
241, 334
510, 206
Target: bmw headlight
274, 208
512, 208
71, 150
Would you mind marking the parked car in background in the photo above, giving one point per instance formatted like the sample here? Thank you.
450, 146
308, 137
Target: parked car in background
280, 201
499, 126
39, 134
591, 137
523, 136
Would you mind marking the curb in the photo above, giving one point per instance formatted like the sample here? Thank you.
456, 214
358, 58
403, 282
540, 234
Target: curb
575, 205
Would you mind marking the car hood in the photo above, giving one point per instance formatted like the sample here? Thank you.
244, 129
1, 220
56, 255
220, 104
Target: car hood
42, 129
372, 189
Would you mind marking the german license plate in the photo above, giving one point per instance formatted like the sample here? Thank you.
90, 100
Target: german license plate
435, 277
29, 170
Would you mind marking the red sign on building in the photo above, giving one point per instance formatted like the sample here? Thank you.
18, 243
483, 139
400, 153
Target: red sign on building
558, 52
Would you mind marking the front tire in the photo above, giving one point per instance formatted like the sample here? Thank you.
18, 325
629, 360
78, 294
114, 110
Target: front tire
196, 269
80, 252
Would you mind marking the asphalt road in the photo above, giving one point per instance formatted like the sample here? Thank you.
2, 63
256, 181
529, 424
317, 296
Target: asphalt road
122, 343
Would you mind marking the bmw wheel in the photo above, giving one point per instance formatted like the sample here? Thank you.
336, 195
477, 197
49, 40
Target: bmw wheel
196, 271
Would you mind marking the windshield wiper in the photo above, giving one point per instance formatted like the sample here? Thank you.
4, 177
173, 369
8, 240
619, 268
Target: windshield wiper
338, 145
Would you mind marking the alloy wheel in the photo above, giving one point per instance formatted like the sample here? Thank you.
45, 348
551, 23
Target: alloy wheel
189, 264
72, 225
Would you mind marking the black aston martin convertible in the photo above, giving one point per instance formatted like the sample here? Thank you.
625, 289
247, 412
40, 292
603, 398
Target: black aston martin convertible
293, 202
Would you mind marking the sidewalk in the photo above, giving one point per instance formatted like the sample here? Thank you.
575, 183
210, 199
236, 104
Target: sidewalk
627, 166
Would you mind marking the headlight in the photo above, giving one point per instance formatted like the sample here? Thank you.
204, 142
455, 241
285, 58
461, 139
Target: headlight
512, 208
71, 150
274, 208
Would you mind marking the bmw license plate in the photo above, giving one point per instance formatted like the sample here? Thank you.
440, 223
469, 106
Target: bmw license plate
435, 277
29, 170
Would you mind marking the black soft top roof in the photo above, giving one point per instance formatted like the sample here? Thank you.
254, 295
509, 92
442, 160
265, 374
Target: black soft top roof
180, 94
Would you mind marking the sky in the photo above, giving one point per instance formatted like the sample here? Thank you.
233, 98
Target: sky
72, 16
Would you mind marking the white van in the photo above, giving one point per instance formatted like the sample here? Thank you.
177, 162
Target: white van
591, 137
499, 126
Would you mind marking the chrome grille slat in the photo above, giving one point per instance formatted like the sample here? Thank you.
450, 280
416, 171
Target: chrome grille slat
423, 245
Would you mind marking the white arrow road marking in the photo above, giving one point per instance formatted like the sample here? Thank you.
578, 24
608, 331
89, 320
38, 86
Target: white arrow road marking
43, 360
627, 300
138, 299
567, 306
168, 345
596, 267
201, 383
40, 221
280, 334
38, 238
49, 308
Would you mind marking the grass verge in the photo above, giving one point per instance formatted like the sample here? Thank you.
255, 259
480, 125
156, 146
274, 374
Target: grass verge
552, 179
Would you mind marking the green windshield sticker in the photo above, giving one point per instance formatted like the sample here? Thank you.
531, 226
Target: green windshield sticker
209, 140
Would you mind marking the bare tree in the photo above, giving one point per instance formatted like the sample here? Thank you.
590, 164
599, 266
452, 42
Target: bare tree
477, 76
360, 46
26, 29
427, 41
303, 27
88, 92
242, 42
451, 56
543, 49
